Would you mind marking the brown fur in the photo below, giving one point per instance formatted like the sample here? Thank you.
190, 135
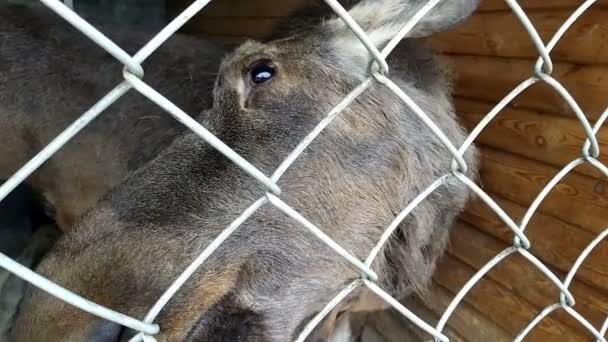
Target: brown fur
272, 274
50, 74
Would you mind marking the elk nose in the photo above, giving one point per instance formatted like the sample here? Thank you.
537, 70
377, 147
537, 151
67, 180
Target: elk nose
107, 331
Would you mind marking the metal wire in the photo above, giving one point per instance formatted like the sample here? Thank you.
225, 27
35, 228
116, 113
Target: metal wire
133, 74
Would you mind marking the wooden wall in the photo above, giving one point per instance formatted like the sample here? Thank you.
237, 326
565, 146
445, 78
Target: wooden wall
522, 149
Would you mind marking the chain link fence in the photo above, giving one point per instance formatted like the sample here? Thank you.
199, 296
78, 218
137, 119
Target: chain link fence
133, 74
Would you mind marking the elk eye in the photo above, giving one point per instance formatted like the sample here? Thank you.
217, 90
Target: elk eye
262, 71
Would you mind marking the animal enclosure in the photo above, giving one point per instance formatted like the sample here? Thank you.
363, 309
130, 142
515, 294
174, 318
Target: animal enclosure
527, 259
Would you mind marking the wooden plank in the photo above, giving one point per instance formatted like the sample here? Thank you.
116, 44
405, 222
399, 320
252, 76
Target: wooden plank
491, 79
551, 139
465, 321
497, 303
523, 279
465, 324
501, 34
554, 242
393, 327
577, 199
496, 5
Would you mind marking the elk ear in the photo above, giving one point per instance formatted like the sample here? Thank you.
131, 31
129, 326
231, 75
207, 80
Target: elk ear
228, 321
382, 19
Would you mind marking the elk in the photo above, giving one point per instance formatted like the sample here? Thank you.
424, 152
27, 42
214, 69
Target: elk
271, 275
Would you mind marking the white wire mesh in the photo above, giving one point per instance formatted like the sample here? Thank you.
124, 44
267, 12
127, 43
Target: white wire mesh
133, 73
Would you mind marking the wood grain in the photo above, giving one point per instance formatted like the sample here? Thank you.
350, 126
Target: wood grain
550, 139
394, 327
465, 322
502, 306
518, 275
554, 242
501, 34
490, 79
577, 199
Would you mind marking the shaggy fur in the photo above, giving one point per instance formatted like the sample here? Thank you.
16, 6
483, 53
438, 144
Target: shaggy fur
272, 274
